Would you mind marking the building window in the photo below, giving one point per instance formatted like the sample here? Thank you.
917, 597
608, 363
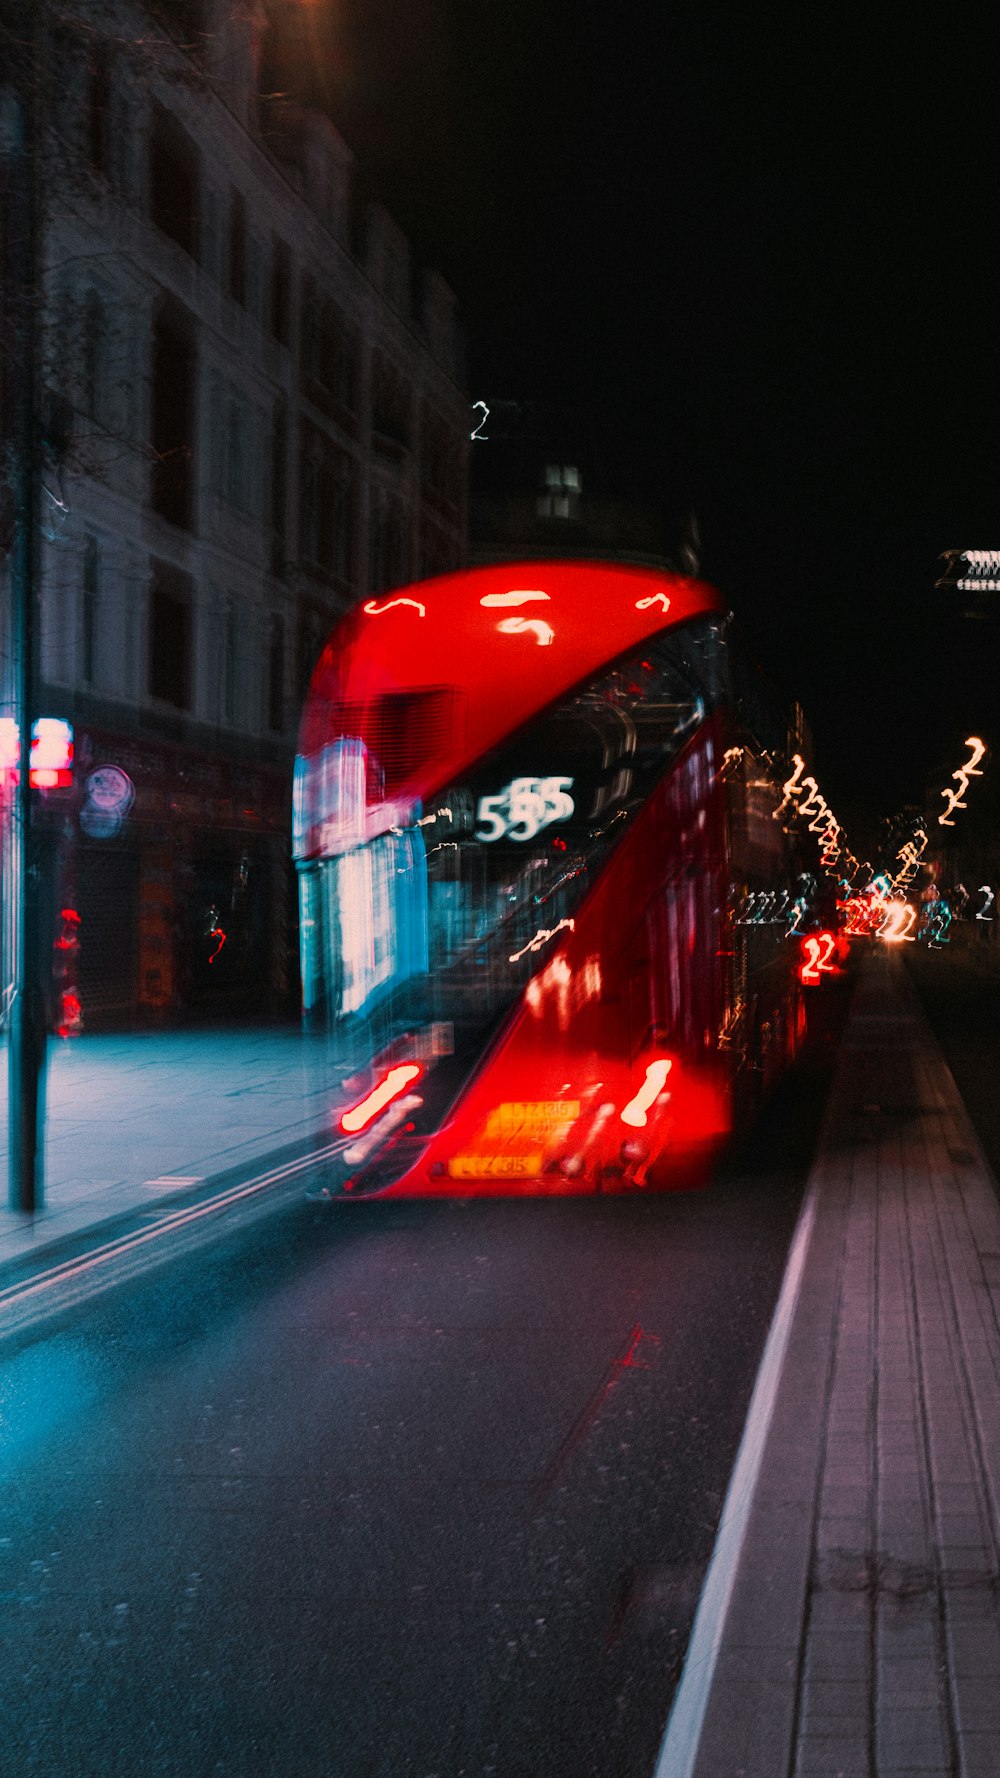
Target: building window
90, 612
395, 278
237, 447
230, 663
281, 290
310, 503
309, 323
326, 506
279, 490
211, 235
256, 296
170, 606
440, 473
328, 354
389, 544
174, 181
172, 423
276, 676
237, 450
391, 403
186, 20
438, 552
94, 355
313, 628
99, 111
237, 273
562, 488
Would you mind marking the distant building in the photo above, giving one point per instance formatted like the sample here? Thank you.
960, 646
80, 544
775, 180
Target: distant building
967, 633
546, 481
254, 420
964, 846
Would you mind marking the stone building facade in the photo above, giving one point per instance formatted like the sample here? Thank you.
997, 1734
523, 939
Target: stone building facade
254, 418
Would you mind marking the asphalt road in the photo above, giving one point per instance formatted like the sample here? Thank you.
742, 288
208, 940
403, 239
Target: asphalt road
387, 1490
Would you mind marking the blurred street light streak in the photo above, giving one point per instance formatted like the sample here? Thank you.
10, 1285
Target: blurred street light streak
792, 786
964, 773
515, 597
911, 855
517, 626
541, 937
813, 799
895, 928
375, 610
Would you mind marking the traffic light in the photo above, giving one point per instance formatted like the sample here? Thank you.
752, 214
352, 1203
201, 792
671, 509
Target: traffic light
51, 753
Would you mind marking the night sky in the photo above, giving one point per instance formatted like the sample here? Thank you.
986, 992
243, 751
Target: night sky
761, 245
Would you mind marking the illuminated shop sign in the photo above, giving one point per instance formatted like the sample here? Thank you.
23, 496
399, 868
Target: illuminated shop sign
978, 570
51, 752
524, 807
110, 794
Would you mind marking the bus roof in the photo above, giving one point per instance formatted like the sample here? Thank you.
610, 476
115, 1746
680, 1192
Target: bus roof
432, 675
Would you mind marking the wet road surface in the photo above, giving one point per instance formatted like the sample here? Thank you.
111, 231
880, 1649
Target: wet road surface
387, 1490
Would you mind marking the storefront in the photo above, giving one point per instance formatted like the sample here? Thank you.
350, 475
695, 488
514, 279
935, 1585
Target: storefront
177, 867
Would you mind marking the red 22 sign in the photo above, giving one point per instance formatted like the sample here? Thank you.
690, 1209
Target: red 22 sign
817, 950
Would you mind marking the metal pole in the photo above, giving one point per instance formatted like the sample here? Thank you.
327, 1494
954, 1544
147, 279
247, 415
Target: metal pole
26, 1040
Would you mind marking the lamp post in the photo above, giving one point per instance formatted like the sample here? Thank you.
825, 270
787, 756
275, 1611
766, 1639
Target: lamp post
26, 1036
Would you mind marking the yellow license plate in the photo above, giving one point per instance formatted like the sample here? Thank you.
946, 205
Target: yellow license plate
533, 1117
495, 1166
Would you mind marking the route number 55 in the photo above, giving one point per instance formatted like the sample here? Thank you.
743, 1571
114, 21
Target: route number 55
523, 808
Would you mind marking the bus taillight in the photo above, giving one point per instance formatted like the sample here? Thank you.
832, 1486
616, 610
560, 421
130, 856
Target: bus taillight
359, 1116
635, 1111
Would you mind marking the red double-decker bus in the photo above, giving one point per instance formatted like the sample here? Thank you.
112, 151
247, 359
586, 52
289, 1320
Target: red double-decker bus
531, 801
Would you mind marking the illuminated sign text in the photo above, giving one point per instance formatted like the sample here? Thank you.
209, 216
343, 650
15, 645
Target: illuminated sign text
523, 808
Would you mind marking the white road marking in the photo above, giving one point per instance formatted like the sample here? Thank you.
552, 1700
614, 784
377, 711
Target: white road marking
168, 1224
679, 1748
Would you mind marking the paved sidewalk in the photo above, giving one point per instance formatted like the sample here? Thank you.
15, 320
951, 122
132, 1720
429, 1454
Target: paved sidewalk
134, 1121
849, 1625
